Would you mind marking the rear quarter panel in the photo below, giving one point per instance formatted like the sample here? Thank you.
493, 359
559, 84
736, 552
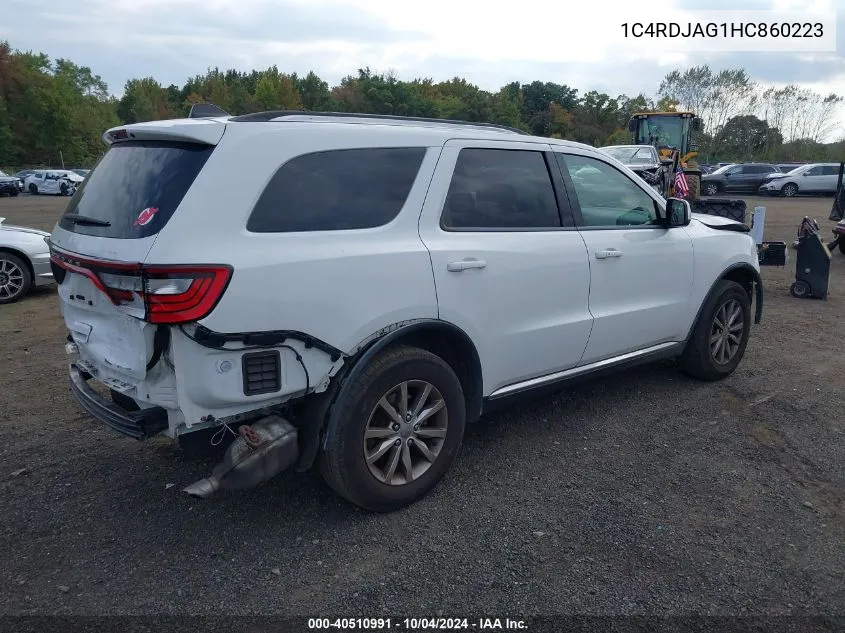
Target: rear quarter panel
338, 286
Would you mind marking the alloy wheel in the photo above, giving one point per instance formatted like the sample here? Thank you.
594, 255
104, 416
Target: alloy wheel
726, 332
11, 279
405, 432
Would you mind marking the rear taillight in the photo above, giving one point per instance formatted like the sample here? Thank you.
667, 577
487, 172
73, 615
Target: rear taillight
168, 294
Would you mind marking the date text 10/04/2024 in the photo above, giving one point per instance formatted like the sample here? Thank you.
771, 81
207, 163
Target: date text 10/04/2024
724, 29
417, 624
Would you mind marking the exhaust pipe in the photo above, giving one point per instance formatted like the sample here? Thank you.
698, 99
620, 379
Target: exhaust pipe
261, 451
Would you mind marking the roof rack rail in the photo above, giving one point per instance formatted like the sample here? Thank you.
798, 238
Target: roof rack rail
276, 114
206, 110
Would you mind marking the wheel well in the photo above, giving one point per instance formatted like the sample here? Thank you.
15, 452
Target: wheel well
744, 277
454, 347
23, 258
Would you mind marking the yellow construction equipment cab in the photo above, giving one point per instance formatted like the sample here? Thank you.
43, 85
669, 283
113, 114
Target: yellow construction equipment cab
671, 133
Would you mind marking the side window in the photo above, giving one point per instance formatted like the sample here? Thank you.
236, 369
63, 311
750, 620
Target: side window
814, 171
830, 170
337, 190
762, 169
607, 197
734, 171
500, 189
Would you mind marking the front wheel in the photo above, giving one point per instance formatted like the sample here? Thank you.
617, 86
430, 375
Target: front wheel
789, 190
63, 189
15, 278
33, 189
720, 335
398, 432
711, 189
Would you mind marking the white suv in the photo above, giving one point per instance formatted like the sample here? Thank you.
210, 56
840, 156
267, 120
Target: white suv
351, 290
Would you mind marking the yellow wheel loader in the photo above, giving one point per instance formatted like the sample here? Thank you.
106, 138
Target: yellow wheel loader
671, 133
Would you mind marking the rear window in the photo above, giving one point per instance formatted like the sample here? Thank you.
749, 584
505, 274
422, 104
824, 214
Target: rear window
337, 190
136, 187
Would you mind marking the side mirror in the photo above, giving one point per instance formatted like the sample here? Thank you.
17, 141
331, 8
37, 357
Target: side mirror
678, 212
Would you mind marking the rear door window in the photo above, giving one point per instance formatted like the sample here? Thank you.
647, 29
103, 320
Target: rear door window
500, 189
337, 190
135, 188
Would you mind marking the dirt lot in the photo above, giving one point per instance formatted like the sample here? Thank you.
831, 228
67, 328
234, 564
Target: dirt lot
645, 492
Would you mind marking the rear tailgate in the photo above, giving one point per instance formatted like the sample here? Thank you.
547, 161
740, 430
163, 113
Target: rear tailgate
100, 243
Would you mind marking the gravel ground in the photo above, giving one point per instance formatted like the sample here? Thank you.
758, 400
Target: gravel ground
641, 493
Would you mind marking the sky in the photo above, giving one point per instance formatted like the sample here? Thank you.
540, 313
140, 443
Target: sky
573, 42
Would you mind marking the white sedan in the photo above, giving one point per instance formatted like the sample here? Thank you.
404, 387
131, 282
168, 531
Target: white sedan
62, 182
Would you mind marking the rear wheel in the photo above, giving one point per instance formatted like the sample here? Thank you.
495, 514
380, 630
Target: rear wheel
398, 432
15, 278
800, 289
720, 335
694, 183
789, 190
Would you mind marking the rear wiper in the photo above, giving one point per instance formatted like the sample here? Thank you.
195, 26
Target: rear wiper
84, 219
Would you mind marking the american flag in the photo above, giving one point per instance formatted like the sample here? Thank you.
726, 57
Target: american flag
681, 185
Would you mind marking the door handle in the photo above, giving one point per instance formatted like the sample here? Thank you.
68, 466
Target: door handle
610, 252
465, 264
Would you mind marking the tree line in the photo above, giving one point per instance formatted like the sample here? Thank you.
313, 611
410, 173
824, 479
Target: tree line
53, 112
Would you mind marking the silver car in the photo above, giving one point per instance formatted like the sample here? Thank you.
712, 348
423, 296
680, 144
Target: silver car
813, 178
24, 261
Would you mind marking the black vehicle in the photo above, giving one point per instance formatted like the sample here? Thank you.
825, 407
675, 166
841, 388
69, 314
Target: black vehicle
745, 177
10, 185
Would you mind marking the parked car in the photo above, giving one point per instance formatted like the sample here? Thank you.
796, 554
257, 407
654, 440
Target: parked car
57, 182
818, 178
373, 285
81, 172
644, 161
10, 185
25, 173
746, 177
24, 261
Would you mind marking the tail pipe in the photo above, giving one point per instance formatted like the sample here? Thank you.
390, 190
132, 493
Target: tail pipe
261, 451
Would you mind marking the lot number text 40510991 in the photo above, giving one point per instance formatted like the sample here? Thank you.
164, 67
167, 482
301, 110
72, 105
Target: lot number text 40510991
417, 624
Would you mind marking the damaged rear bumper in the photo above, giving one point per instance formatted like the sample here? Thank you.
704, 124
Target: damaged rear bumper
139, 424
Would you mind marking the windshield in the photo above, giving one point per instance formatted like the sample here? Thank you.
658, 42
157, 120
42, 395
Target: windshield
628, 155
663, 131
722, 169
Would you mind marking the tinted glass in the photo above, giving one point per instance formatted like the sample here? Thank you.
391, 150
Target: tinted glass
814, 171
607, 196
337, 190
500, 189
830, 170
136, 187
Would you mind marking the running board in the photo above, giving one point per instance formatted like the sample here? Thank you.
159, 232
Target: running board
644, 355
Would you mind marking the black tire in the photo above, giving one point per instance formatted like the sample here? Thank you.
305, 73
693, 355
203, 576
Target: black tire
694, 183
698, 358
789, 190
14, 192
63, 188
342, 462
15, 278
709, 188
800, 289
33, 189
842, 246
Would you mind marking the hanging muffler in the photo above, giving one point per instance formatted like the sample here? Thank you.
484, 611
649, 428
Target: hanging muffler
261, 451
